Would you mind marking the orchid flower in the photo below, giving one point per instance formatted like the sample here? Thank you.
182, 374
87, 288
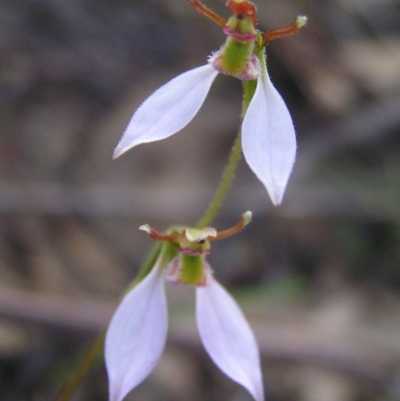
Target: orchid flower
268, 136
137, 332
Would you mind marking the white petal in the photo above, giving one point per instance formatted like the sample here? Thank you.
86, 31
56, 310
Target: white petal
228, 338
268, 138
136, 335
168, 109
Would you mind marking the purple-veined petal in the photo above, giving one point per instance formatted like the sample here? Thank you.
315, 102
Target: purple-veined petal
136, 335
228, 338
169, 109
268, 138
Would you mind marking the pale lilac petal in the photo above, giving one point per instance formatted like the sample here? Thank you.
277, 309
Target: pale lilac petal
228, 338
268, 138
136, 335
168, 109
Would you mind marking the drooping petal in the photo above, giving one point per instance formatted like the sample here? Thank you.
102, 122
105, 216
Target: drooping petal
268, 138
228, 338
136, 335
169, 109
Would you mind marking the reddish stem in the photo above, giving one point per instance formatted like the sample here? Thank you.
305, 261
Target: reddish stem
230, 231
202, 9
280, 33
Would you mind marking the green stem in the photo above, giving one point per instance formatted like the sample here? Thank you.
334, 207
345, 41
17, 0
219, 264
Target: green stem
225, 183
233, 161
91, 356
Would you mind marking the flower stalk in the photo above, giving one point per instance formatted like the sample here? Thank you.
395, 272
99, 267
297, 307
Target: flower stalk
268, 143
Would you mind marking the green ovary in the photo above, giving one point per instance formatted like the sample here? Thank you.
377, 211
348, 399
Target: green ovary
234, 57
192, 271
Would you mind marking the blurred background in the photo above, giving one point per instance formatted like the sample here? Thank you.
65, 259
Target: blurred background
318, 278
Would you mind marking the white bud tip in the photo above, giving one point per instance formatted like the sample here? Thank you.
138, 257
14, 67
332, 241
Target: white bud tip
301, 21
247, 216
145, 227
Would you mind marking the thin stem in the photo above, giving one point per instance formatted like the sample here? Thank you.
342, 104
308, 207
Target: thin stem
86, 364
202, 9
224, 185
239, 226
292, 29
233, 161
